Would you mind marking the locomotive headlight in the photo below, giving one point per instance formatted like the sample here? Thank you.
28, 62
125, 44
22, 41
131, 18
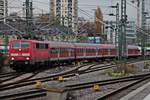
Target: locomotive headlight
27, 58
12, 58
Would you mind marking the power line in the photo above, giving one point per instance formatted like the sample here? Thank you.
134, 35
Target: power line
90, 16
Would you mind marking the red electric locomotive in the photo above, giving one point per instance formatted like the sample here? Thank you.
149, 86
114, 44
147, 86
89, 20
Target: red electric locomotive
27, 52
31, 52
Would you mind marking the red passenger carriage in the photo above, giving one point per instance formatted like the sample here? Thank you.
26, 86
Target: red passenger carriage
61, 51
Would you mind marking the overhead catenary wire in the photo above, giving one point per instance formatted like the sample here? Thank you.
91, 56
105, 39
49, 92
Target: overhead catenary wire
137, 26
89, 15
85, 11
107, 24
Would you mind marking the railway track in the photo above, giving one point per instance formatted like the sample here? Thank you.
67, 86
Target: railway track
109, 95
66, 74
30, 82
21, 77
69, 73
8, 77
43, 79
89, 69
7, 74
106, 82
34, 93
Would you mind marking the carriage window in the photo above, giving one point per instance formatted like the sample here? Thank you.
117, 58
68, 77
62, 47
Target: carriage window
82, 50
61, 50
20, 45
90, 50
78, 50
54, 50
46, 46
99, 50
41, 46
72, 50
37, 45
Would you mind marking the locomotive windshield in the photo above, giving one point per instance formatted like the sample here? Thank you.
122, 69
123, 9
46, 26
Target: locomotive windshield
20, 45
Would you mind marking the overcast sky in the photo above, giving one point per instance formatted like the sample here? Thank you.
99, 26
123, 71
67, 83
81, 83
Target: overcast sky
86, 5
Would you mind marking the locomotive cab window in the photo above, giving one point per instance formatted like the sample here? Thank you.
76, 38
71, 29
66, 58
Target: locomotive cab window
20, 45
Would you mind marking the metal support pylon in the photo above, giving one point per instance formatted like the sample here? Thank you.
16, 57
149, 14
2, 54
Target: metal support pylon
143, 23
122, 35
117, 28
29, 15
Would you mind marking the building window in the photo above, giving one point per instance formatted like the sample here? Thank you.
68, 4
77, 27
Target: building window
58, 1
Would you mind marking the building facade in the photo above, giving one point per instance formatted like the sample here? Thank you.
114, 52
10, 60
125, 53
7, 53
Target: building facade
147, 9
66, 11
131, 35
3, 10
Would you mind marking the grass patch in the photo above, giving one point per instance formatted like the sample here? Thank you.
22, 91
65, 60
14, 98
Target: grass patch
121, 69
